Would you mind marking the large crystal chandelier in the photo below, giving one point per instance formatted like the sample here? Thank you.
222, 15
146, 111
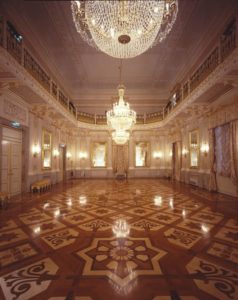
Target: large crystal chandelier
121, 118
124, 28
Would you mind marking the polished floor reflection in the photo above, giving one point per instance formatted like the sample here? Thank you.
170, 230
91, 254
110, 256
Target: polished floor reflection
105, 239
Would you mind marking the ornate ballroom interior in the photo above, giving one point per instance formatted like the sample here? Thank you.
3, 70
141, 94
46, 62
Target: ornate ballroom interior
119, 150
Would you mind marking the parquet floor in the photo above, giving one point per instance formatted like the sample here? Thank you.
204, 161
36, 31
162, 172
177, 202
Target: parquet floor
104, 239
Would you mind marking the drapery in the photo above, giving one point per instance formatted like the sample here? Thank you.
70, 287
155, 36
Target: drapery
212, 159
234, 152
120, 159
222, 150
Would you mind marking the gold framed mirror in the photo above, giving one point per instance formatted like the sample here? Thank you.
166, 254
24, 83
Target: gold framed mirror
99, 155
194, 149
142, 154
46, 150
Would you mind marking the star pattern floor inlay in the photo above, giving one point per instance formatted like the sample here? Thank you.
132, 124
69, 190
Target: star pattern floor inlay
140, 239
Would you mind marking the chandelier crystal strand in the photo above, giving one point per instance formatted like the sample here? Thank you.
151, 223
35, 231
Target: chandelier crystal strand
124, 29
120, 137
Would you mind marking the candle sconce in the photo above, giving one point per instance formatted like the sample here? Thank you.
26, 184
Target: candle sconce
185, 152
205, 149
55, 153
36, 150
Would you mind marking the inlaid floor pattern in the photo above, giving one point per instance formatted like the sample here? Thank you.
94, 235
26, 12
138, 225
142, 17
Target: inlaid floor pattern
105, 239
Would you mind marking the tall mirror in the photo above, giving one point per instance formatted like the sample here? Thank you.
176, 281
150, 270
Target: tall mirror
142, 154
99, 154
46, 149
194, 148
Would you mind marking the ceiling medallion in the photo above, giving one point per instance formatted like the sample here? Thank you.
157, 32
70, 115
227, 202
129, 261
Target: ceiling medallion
124, 28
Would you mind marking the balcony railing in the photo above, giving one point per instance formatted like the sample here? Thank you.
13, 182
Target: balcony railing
13, 42
102, 120
36, 71
225, 45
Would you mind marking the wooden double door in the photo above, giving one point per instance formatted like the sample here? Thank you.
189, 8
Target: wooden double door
11, 161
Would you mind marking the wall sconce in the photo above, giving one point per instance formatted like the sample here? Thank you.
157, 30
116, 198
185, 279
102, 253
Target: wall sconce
171, 153
55, 153
157, 155
205, 149
68, 155
185, 152
83, 155
36, 150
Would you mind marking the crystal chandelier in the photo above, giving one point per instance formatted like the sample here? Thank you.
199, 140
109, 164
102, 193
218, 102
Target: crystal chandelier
120, 137
124, 28
121, 118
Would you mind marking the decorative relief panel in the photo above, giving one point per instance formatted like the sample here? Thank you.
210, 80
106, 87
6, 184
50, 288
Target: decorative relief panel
14, 111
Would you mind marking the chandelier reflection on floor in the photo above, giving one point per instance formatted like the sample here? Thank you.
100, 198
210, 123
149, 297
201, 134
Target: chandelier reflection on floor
124, 29
121, 229
121, 118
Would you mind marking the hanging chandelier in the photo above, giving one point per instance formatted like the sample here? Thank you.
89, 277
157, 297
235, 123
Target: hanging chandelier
120, 137
124, 28
121, 118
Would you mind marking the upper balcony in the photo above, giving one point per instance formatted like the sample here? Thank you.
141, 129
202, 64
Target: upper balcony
12, 45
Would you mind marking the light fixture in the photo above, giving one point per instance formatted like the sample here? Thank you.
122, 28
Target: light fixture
185, 152
157, 154
124, 29
36, 150
205, 148
55, 153
68, 155
120, 137
121, 118
83, 155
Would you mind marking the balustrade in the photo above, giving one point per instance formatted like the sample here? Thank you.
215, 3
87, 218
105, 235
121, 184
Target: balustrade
85, 117
153, 117
228, 40
140, 119
36, 71
63, 99
54, 89
72, 108
13, 42
101, 120
205, 69
185, 89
